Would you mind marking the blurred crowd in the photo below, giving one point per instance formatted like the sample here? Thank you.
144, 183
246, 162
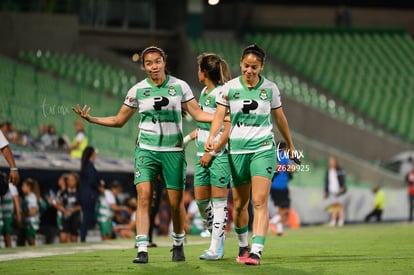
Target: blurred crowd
57, 216
46, 139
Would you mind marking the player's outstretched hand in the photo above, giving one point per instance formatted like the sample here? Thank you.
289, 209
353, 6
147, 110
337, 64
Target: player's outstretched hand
84, 112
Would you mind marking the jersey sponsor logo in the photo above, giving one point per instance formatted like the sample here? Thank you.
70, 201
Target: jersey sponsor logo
160, 102
249, 105
171, 90
236, 95
147, 93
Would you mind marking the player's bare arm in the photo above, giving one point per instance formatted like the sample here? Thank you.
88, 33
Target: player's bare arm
215, 127
208, 156
283, 126
119, 120
14, 176
195, 111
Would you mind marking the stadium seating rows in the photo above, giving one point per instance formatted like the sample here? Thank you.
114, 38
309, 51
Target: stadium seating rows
31, 98
371, 71
84, 70
289, 85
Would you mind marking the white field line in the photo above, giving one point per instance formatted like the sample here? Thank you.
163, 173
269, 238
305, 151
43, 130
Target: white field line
44, 251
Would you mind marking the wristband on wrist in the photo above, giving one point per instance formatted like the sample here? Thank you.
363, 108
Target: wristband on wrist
186, 140
13, 169
213, 153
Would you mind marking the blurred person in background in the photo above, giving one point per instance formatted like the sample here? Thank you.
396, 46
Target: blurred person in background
88, 190
194, 223
279, 190
409, 179
30, 212
10, 213
334, 195
127, 230
80, 141
71, 209
56, 201
120, 210
379, 205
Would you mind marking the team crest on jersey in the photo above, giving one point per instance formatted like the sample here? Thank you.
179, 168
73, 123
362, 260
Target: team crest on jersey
263, 95
171, 90
208, 101
137, 174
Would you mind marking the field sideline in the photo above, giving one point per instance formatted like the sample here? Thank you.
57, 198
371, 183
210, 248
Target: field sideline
353, 249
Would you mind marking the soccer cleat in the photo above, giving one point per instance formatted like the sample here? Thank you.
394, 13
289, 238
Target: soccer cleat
253, 259
209, 256
142, 258
220, 250
243, 254
178, 253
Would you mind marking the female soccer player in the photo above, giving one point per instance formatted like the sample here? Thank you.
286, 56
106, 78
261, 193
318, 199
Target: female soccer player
211, 168
252, 101
160, 99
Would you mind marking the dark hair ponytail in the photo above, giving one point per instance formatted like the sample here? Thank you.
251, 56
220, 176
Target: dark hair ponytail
86, 155
216, 68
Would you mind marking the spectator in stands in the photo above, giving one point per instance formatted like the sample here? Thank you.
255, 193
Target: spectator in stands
89, 190
409, 179
10, 213
71, 208
8, 155
253, 102
335, 189
47, 137
15, 136
80, 141
160, 100
379, 205
30, 212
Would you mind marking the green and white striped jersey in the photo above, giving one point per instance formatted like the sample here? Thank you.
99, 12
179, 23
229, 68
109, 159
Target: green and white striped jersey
7, 204
29, 202
160, 125
208, 104
105, 202
250, 114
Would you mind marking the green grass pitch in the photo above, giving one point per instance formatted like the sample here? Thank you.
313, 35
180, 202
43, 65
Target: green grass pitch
386, 248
